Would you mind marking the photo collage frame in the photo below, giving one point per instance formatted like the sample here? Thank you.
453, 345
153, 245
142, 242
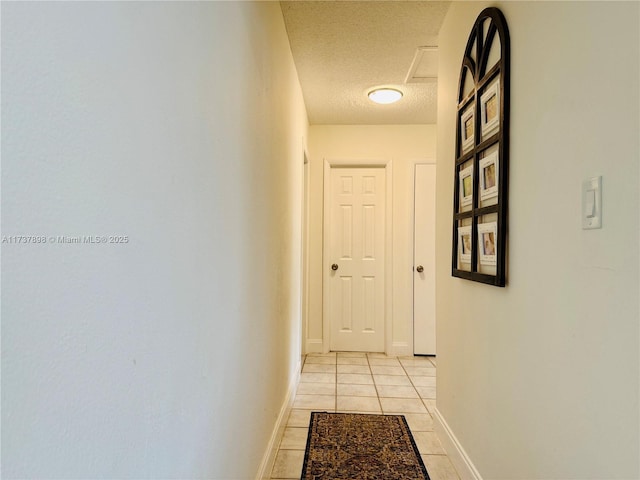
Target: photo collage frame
480, 189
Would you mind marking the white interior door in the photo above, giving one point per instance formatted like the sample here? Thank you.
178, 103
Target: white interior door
424, 258
355, 262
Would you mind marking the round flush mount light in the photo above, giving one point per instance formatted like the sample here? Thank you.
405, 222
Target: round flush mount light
385, 95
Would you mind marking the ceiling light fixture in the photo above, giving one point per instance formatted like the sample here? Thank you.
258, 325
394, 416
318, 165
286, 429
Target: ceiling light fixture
385, 95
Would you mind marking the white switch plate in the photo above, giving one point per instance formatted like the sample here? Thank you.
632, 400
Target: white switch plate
592, 203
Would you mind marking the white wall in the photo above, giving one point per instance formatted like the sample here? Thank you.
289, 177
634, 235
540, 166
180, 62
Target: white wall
404, 145
179, 125
540, 379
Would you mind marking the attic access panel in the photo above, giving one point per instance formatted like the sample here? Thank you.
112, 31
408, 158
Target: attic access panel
479, 245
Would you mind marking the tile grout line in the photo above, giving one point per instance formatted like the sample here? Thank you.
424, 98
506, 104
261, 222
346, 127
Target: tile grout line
335, 392
412, 384
414, 387
375, 385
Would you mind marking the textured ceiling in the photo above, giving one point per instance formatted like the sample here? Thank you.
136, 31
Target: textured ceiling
344, 48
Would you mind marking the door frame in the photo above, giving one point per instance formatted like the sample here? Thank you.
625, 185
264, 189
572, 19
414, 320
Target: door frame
304, 256
387, 164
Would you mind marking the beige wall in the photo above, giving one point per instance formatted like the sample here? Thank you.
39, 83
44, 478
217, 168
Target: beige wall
404, 145
540, 379
180, 126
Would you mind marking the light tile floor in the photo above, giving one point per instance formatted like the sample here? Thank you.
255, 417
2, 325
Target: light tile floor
365, 383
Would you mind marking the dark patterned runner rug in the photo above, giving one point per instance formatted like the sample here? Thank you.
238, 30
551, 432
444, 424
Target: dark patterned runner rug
350, 446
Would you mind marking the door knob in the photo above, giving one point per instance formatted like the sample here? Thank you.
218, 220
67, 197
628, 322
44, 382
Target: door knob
420, 268
334, 267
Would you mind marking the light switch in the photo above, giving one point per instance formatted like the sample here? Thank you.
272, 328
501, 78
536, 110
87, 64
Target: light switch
592, 203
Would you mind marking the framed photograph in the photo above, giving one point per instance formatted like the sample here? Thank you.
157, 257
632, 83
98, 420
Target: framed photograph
487, 235
490, 109
467, 128
466, 186
464, 244
489, 176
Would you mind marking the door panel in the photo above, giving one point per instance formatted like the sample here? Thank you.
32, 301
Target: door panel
356, 235
424, 289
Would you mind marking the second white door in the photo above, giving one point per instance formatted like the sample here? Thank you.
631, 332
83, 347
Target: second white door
424, 273
354, 275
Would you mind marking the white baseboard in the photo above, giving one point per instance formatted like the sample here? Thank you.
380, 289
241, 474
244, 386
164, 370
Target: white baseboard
269, 458
400, 349
461, 461
314, 346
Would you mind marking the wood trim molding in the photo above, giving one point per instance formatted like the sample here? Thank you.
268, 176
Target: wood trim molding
457, 454
269, 457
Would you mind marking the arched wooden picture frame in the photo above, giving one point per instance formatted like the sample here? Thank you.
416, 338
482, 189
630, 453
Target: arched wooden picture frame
482, 154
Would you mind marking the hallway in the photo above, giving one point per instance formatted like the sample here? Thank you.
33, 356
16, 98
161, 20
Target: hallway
365, 383
178, 134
